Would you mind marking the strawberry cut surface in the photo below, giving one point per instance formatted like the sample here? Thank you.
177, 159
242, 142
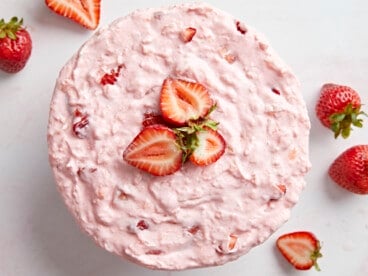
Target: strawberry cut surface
210, 147
301, 249
84, 12
155, 151
182, 101
188, 34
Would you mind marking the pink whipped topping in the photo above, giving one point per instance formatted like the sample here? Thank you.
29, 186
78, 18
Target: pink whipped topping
199, 216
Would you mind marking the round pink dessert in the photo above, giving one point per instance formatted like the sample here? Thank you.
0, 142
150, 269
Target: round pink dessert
198, 216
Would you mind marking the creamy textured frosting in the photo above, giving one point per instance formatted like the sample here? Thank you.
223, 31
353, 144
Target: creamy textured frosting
199, 216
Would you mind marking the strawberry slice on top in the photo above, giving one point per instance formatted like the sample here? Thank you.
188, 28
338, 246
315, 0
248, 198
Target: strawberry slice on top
301, 249
84, 12
155, 151
182, 101
210, 146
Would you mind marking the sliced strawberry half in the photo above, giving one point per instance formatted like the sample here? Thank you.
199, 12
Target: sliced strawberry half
210, 146
84, 12
301, 249
155, 151
182, 101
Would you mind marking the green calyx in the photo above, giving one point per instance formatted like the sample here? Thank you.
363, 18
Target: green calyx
187, 135
315, 256
342, 122
9, 29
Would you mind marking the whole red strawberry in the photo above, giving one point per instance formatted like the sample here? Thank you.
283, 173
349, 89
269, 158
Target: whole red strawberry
350, 169
15, 45
338, 108
155, 151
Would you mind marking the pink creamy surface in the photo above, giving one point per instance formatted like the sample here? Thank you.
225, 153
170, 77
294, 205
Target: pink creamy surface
190, 218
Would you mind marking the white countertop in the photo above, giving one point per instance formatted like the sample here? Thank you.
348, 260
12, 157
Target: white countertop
322, 42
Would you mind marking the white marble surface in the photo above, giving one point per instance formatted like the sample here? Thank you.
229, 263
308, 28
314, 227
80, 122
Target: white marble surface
323, 41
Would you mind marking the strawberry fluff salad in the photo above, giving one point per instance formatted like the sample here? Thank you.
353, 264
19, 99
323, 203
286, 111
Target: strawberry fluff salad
195, 215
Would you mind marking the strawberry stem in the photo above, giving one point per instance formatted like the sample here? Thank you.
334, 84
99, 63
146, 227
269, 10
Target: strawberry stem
315, 256
341, 122
9, 29
187, 135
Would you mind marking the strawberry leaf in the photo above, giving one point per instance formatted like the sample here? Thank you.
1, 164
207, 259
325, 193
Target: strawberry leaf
213, 108
11, 35
358, 123
342, 122
335, 127
211, 124
9, 29
345, 133
338, 117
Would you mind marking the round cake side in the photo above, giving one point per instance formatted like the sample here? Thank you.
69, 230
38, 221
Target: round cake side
199, 216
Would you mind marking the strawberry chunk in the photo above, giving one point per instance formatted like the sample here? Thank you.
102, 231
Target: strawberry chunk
182, 101
232, 241
151, 118
154, 252
194, 229
84, 12
80, 125
276, 91
188, 34
142, 225
301, 249
155, 151
282, 188
241, 28
112, 77
210, 147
